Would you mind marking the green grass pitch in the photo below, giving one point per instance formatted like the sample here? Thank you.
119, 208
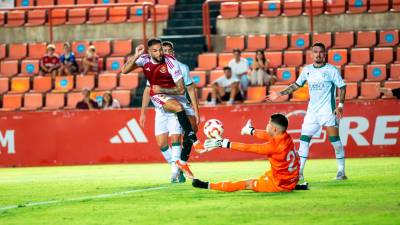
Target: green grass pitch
141, 194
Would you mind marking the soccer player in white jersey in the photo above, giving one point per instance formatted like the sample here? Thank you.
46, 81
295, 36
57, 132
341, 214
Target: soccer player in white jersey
167, 124
323, 79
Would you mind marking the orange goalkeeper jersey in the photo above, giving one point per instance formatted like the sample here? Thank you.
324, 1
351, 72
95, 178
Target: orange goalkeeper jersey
280, 153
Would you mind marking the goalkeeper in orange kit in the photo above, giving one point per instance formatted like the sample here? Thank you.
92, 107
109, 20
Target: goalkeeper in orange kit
279, 150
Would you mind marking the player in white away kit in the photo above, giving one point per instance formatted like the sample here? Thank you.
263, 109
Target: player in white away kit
167, 124
322, 79
166, 90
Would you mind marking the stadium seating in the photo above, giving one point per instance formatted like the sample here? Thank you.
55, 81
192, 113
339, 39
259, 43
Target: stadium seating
76, 16
250, 9
232, 42
72, 99
114, 64
97, 15
300, 94
17, 51
15, 18
388, 38
354, 72
394, 72
256, 94
29, 67
357, 6
63, 84
36, 50
351, 90
337, 57
376, 72
370, 90
107, 81
118, 14
199, 78
293, 58
36, 17
224, 58
343, 39
54, 101
286, 75
3, 51
9, 68
275, 58
32, 101
42, 84
215, 74
19, 85
278, 88
4, 85
277, 42
360, 56
122, 47
128, 81
335, 7
318, 7
123, 96
292, 7
229, 10
207, 61
325, 38
383, 55
45, 2
271, 8
255, 42
24, 3
80, 47
65, 2
11, 102
299, 41
378, 6
103, 48
391, 85
84, 82
366, 39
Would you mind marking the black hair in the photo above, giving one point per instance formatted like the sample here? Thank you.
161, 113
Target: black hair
227, 68
280, 120
153, 41
319, 44
263, 56
168, 43
110, 102
236, 50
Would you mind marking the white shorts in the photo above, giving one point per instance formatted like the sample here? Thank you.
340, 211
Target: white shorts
313, 123
160, 99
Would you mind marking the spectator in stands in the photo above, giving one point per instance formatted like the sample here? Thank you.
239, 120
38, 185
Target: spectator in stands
240, 68
69, 66
225, 88
260, 73
395, 92
50, 63
90, 61
87, 102
108, 102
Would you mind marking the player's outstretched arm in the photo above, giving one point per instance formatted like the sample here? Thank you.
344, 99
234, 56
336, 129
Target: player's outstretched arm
179, 89
342, 97
211, 144
248, 129
131, 63
290, 89
145, 104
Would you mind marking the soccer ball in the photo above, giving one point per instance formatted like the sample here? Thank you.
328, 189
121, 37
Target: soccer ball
213, 128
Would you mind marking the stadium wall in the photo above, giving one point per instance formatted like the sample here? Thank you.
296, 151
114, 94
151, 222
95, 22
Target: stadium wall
369, 129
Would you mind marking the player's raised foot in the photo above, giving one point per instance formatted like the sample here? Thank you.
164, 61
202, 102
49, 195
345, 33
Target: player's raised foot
341, 176
198, 147
199, 184
181, 177
185, 168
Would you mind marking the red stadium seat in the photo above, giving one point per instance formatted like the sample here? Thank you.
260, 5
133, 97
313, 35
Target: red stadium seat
41, 84
15, 18
376, 72
255, 42
395, 5
17, 51
3, 51
59, 16
354, 72
97, 15
2, 18
388, 38
84, 82
301, 94
12, 102
351, 90
277, 42
63, 84
232, 42
76, 16
275, 59
370, 90
79, 48
24, 3
394, 72
204, 93
45, 2
85, 2
308, 55
318, 7
65, 2
122, 47
250, 57
107, 81
59, 48
33, 101
391, 85
337, 57
4, 85
278, 88
397, 55
54, 101
118, 14
36, 17
293, 58
106, 1
128, 81
250, 9
383, 55
366, 39
271, 8
343, 39
286, 75
136, 14
360, 56
199, 78
376, 6
256, 94
103, 48
36, 50
207, 61
229, 10
215, 74
292, 8
300, 41
114, 64
162, 12
357, 6
162, 2
73, 98
123, 96
20, 85
224, 58
8, 68
29, 67
152, 1
324, 38
335, 7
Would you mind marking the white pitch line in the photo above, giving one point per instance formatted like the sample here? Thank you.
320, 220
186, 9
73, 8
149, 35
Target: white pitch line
80, 198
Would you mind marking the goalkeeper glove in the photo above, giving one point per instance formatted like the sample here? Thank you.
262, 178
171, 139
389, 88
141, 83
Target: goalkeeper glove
248, 129
212, 144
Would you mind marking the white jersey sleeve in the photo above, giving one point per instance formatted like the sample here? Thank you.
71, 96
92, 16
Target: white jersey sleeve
337, 79
185, 73
173, 68
143, 59
302, 79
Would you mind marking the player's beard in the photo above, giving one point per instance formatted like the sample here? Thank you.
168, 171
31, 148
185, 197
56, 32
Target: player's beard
159, 61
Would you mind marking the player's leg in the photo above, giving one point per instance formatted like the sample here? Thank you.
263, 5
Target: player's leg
308, 129
175, 131
334, 138
226, 186
234, 92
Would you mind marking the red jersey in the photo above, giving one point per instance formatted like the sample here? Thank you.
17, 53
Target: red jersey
162, 74
280, 153
50, 61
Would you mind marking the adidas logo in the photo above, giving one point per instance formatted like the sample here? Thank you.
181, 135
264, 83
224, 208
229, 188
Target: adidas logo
129, 134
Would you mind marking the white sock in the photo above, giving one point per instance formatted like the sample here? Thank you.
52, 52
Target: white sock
339, 152
303, 153
166, 152
176, 155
